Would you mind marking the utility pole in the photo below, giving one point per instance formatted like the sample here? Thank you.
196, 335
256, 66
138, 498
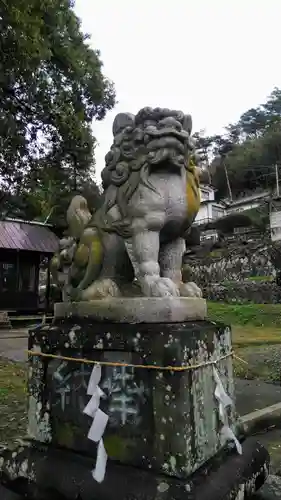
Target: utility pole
227, 180
277, 180
208, 170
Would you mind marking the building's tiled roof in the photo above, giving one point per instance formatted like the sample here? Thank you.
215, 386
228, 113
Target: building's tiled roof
25, 236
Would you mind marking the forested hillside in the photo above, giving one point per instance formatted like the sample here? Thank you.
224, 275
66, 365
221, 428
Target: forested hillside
248, 150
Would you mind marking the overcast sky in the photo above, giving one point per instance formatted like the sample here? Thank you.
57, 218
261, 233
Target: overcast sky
211, 58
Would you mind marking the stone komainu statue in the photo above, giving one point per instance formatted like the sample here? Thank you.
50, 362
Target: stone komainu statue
151, 197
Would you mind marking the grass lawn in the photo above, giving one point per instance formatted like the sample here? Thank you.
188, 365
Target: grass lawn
256, 334
249, 335
261, 315
12, 401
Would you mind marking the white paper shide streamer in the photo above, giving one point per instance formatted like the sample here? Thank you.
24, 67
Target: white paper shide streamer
99, 422
225, 401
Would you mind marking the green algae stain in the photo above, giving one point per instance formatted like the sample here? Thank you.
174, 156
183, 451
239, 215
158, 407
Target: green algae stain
65, 435
118, 448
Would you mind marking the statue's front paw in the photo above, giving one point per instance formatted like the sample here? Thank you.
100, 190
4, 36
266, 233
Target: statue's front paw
155, 286
190, 289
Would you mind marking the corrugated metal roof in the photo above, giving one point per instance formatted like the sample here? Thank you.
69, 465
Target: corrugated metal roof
24, 236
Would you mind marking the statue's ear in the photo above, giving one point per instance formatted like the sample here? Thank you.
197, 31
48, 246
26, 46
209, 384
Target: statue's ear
187, 123
121, 121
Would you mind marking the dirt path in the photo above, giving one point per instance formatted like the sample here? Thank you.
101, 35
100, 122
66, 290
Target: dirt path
13, 348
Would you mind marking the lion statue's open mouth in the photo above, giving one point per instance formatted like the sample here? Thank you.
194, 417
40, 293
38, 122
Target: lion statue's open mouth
152, 137
166, 141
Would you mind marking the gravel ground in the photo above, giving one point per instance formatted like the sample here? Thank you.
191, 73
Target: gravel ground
254, 395
271, 490
14, 348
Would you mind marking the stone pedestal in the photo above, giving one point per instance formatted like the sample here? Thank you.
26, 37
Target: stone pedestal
163, 421
164, 432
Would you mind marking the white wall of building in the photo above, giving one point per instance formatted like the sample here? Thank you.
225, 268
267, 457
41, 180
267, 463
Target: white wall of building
207, 193
211, 210
204, 213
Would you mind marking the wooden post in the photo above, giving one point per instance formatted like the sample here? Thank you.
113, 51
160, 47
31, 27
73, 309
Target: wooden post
48, 285
18, 271
277, 180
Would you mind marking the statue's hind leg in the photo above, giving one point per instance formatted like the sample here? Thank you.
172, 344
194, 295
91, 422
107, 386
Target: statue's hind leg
116, 265
116, 269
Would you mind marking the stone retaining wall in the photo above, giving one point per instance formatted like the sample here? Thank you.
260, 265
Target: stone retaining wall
244, 292
234, 263
237, 271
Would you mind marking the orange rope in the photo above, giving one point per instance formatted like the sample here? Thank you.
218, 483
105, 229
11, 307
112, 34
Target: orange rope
129, 365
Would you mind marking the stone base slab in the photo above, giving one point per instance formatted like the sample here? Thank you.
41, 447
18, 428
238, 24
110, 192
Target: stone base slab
136, 310
48, 472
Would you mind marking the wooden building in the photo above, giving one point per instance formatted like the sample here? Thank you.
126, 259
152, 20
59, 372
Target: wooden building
24, 247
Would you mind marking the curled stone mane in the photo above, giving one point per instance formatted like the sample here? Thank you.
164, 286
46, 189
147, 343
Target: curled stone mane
152, 137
